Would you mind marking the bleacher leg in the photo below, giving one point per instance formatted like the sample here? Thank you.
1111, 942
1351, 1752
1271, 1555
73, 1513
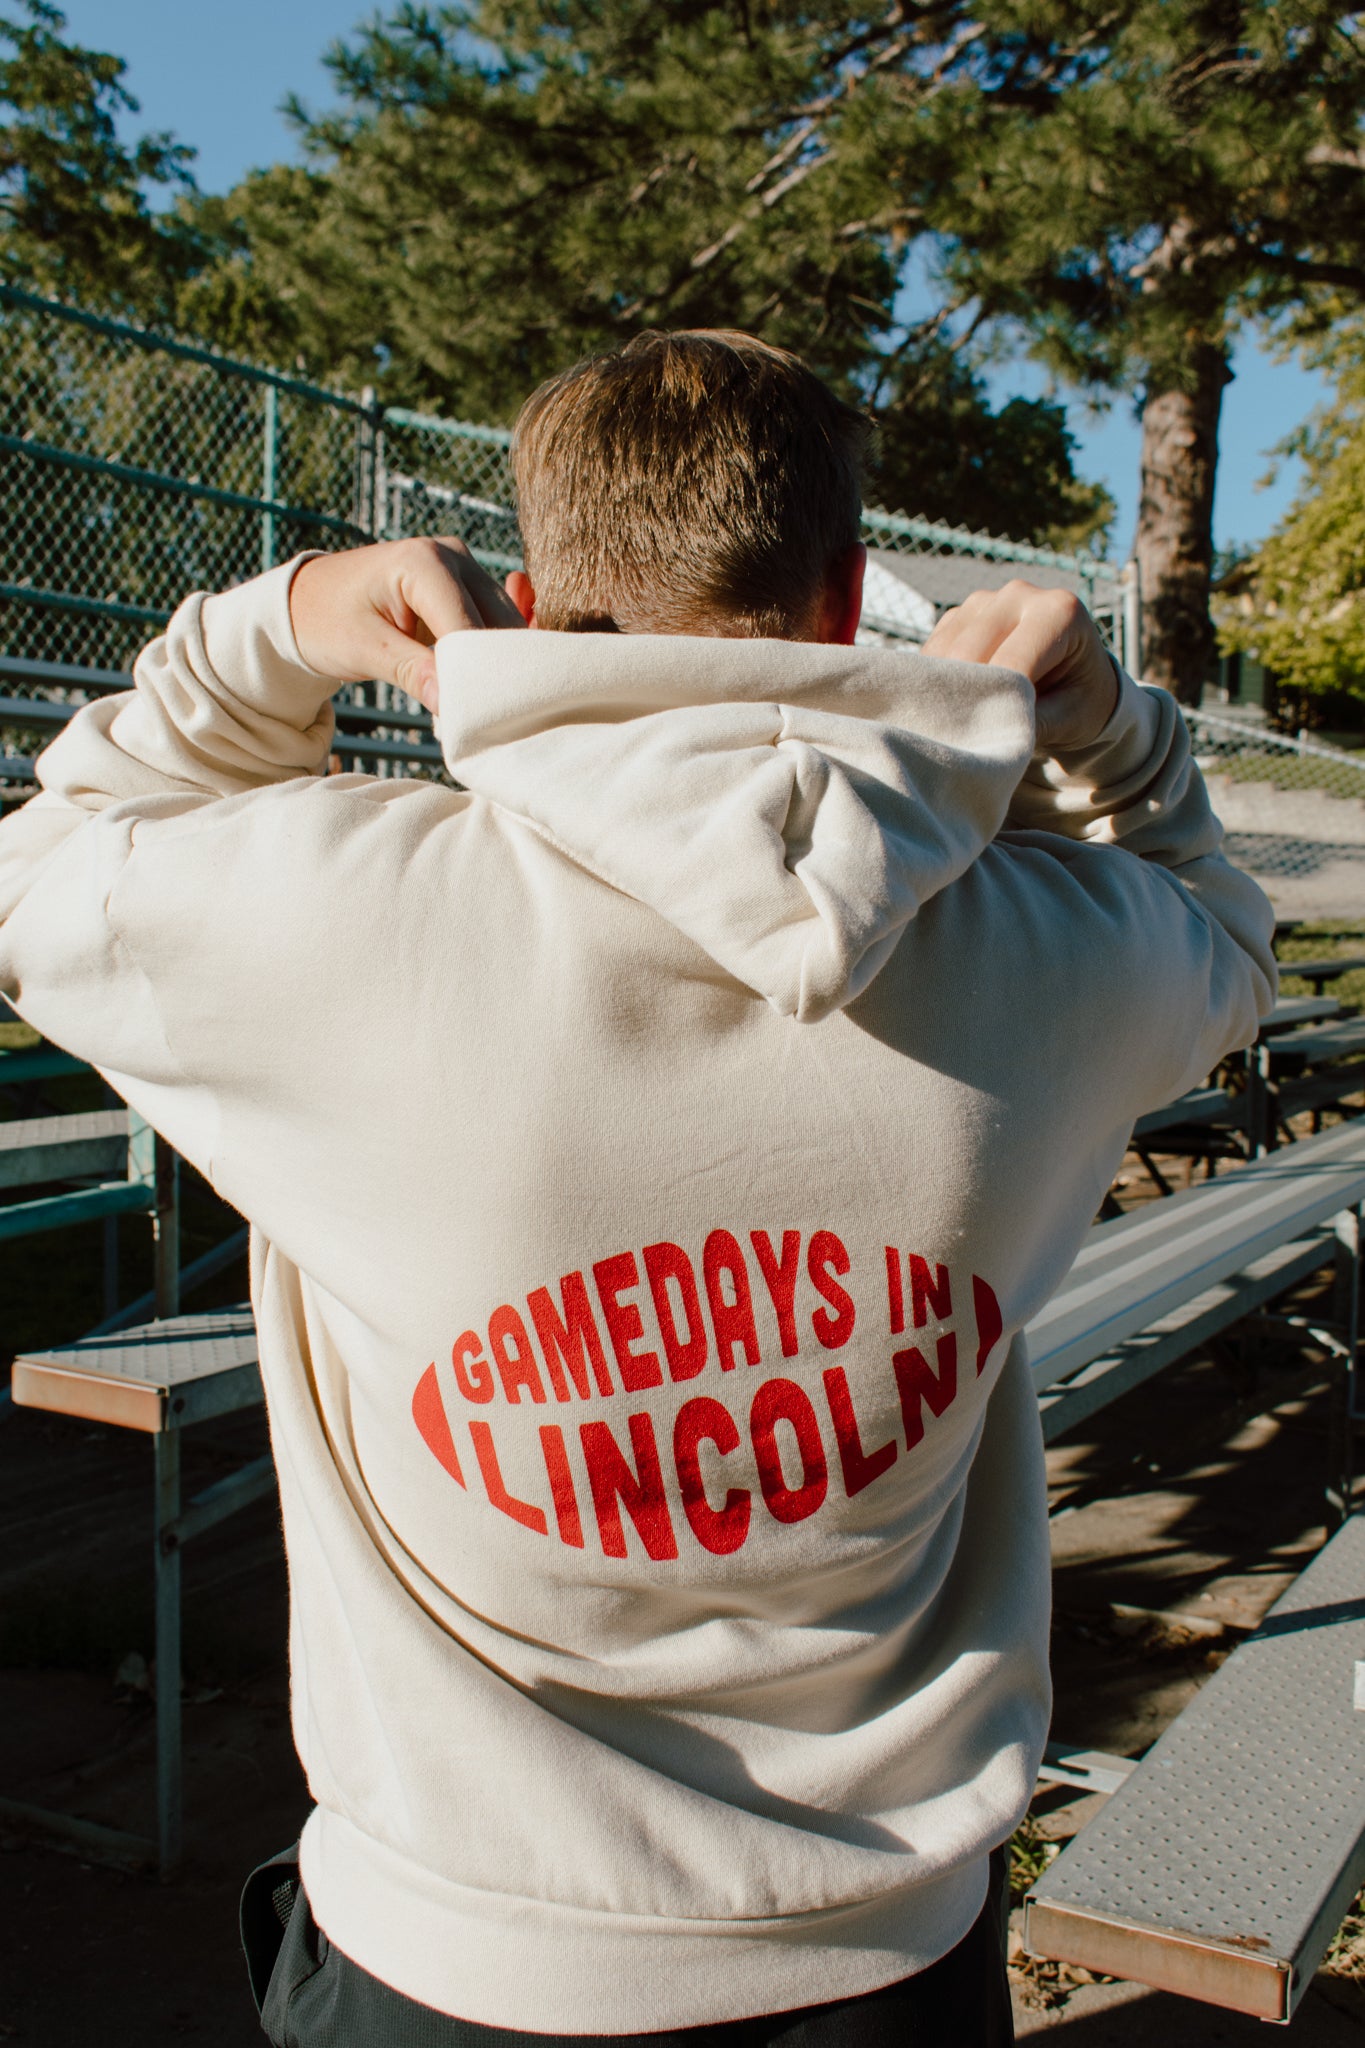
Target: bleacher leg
110, 1267
1260, 1109
166, 1445
166, 1231
1345, 1409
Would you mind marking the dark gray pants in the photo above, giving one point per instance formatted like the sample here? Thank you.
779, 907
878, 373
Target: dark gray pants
312, 1996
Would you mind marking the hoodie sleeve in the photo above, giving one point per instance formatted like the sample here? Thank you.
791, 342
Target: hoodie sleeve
1136, 787
223, 713
184, 729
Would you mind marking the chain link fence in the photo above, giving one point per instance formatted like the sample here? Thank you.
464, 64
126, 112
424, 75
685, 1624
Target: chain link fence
135, 467
1293, 810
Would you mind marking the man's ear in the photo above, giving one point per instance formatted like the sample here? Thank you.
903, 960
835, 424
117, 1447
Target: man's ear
518, 588
841, 602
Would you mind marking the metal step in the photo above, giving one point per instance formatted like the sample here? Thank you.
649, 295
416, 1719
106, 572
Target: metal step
156, 1377
1132, 1272
47, 1148
1309, 1048
1222, 1867
1200, 1106
1184, 1330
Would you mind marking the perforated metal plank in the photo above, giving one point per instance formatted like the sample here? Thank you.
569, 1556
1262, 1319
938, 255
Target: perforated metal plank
1222, 1867
1131, 1272
1183, 1331
44, 1148
155, 1377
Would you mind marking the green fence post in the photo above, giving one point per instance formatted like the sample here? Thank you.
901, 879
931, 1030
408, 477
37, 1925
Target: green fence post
369, 485
268, 453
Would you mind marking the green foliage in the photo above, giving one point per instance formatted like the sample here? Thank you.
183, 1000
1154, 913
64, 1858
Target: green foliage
1030, 1853
74, 219
1129, 183
483, 211
514, 183
941, 450
1299, 604
1314, 942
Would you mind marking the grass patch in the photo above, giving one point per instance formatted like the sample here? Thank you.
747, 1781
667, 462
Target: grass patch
1322, 941
1031, 1851
1345, 1955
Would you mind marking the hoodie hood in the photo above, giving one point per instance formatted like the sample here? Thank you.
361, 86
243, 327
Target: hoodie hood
788, 807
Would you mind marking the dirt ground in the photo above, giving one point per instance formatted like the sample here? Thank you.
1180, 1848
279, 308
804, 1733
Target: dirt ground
1181, 1501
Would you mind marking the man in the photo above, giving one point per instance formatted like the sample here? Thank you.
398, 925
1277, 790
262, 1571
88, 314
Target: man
655, 1149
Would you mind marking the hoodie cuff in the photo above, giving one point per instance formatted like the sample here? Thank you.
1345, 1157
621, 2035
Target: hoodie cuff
249, 646
1098, 791
1126, 744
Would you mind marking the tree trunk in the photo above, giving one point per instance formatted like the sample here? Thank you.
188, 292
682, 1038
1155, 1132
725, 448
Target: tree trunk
1174, 544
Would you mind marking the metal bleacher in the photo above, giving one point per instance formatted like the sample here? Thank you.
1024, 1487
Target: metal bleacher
1222, 1866
1149, 1287
1223, 1862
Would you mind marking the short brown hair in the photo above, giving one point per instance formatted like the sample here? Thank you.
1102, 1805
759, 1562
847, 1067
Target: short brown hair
694, 482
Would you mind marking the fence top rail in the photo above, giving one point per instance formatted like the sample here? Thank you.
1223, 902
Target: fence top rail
1249, 735
74, 601
454, 430
184, 351
963, 540
63, 675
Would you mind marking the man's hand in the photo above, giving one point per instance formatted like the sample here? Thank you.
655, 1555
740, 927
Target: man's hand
374, 613
1050, 637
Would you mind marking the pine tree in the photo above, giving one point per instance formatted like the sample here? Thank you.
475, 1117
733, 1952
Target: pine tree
515, 183
74, 218
1130, 186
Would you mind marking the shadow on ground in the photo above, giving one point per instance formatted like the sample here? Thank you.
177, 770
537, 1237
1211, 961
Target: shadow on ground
1130, 2016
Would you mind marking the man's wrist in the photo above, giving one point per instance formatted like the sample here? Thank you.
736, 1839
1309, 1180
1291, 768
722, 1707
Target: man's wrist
250, 646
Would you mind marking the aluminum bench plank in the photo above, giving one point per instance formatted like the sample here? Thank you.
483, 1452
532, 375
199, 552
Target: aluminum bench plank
1291, 1011
1133, 1271
1200, 1106
1325, 969
157, 1377
1318, 1042
44, 1148
1223, 1865
1321, 1090
1175, 1335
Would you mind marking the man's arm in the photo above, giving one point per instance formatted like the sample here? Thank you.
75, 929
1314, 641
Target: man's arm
1114, 767
231, 706
236, 694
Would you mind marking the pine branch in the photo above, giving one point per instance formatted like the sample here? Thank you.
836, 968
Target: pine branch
762, 202
1309, 270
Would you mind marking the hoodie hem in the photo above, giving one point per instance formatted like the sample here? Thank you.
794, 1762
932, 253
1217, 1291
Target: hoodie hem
536, 1966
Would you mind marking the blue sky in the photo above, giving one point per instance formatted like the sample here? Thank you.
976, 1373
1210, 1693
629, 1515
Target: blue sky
216, 74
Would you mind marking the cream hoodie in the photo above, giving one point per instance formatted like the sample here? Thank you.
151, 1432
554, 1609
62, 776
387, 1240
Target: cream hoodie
654, 1152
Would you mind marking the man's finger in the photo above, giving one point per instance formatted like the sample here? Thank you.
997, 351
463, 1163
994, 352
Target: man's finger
435, 591
451, 593
974, 629
405, 662
494, 603
1034, 649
